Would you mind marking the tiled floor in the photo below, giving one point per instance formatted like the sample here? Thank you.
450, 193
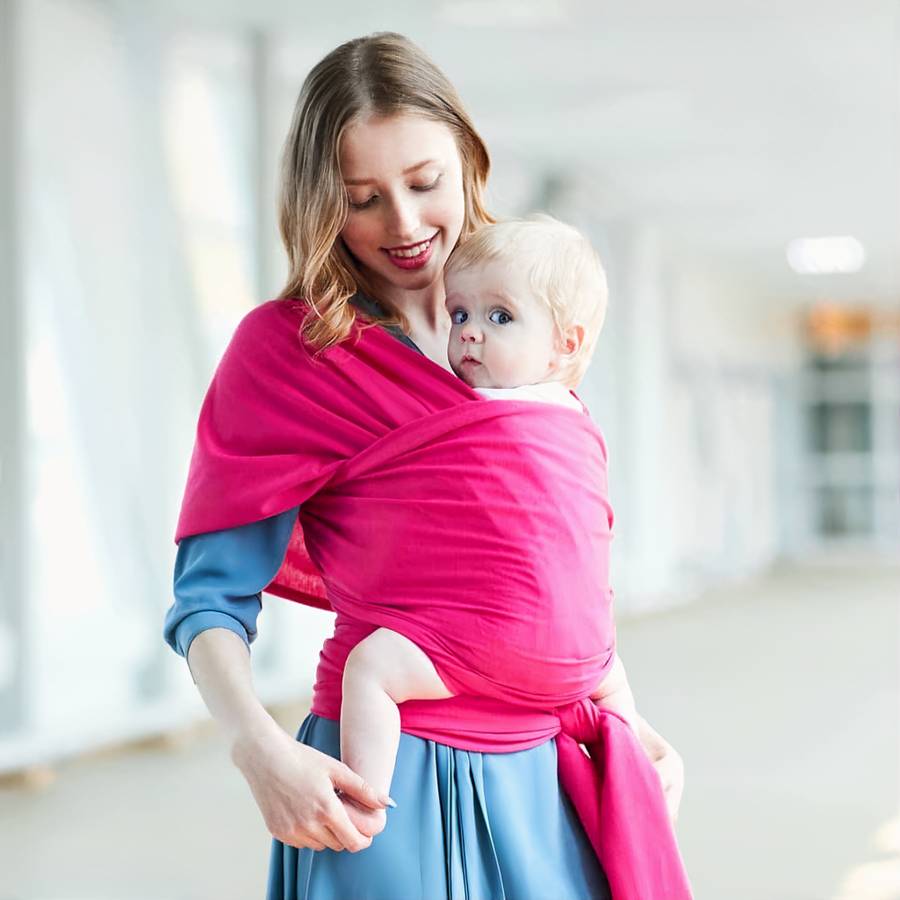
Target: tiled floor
782, 697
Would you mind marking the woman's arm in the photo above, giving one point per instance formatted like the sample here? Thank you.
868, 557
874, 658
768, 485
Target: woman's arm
218, 580
219, 577
293, 785
667, 762
614, 693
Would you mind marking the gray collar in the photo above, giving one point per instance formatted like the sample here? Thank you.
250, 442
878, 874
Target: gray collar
374, 309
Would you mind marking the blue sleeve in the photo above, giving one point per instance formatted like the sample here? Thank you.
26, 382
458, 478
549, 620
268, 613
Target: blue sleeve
219, 576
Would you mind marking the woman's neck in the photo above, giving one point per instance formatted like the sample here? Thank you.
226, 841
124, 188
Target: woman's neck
424, 308
429, 321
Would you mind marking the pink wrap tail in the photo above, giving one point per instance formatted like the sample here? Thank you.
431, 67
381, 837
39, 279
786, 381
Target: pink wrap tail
619, 800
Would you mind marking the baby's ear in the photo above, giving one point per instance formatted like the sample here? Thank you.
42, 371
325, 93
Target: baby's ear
572, 339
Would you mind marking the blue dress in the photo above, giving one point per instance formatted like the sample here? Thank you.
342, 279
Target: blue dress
468, 825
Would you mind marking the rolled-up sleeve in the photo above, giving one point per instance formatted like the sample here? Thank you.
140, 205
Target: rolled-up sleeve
219, 577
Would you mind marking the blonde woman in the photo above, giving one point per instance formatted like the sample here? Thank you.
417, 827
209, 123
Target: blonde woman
321, 398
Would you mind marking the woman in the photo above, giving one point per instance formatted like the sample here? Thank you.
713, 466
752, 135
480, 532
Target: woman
383, 175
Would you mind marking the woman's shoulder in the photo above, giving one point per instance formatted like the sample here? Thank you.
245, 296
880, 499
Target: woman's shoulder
270, 344
273, 325
286, 315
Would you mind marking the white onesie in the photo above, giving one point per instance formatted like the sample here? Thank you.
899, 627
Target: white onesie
545, 392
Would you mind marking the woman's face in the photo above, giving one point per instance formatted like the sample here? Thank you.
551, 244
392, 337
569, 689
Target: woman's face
403, 176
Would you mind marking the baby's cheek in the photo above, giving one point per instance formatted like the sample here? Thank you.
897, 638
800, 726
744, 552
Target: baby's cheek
512, 366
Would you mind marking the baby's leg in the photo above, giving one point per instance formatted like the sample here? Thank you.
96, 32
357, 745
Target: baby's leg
382, 670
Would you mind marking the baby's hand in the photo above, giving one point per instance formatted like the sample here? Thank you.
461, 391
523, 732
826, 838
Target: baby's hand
368, 821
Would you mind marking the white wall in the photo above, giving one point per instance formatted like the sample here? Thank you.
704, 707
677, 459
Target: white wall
146, 215
138, 227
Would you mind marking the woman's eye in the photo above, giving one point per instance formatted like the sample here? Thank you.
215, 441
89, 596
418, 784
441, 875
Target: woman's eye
500, 317
427, 187
458, 316
364, 204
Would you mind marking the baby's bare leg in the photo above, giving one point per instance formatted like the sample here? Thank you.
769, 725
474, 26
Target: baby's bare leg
382, 670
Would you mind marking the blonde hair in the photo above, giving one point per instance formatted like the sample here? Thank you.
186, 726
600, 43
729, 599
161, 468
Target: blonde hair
562, 267
382, 74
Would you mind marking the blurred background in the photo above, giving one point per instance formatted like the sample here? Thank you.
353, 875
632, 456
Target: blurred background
735, 163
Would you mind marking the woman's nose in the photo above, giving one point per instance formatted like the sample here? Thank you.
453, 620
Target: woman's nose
404, 220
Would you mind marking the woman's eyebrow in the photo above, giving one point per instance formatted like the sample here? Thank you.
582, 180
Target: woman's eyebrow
407, 171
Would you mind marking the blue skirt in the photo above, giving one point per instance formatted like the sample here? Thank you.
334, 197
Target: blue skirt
468, 826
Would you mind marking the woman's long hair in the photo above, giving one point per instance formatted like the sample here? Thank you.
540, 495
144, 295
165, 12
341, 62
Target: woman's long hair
382, 74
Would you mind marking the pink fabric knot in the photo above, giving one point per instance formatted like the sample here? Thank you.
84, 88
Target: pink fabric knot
619, 799
581, 720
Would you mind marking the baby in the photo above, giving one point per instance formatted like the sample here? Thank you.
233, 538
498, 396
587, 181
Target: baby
527, 299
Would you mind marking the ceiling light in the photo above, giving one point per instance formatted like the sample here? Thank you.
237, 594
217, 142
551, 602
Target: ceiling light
826, 255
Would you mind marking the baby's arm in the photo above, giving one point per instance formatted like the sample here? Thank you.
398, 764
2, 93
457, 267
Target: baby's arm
381, 671
614, 693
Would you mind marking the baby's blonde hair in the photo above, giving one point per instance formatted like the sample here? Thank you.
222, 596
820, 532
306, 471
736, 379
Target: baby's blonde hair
563, 270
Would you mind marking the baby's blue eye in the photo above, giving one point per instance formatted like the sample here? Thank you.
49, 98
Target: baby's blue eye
502, 316
458, 316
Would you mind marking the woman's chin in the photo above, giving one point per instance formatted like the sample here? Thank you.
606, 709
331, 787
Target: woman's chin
412, 279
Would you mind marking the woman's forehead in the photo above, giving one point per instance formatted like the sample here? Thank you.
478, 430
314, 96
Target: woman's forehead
380, 148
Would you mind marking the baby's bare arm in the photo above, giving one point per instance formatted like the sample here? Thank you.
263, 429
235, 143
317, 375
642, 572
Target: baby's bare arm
397, 666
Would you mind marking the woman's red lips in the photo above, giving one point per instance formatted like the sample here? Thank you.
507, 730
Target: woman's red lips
414, 244
414, 256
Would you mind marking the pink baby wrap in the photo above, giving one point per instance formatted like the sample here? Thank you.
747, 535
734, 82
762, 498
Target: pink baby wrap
479, 529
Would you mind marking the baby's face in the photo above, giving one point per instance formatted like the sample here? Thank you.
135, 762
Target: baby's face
501, 335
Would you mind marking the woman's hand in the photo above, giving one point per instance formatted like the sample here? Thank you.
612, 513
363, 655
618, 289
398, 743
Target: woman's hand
294, 788
667, 762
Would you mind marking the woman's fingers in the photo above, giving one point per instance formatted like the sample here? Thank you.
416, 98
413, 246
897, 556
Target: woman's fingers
677, 786
310, 842
329, 838
294, 788
338, 824
320, 835
352, 784
326, 824
667, 762
670, 769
